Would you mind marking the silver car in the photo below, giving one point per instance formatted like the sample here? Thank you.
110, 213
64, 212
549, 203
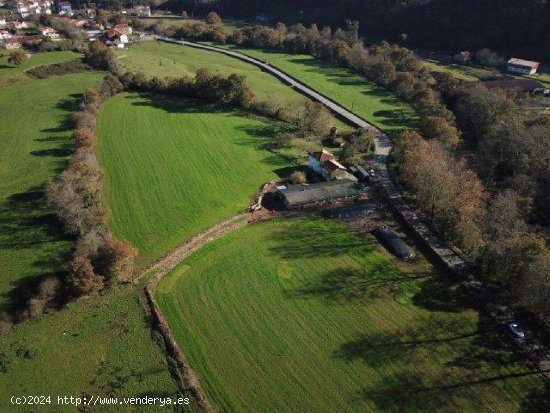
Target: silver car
516, 331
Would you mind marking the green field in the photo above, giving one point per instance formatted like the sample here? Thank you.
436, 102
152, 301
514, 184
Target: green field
10, 74
97, 347
101, 346
353, 91
164, 59
304, 316
175, 167
35, 139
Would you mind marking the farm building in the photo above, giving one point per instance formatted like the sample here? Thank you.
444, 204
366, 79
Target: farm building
523, 67
389, 239
13, 43
325, 164
351, 211
510, 83
298, 196
123, 29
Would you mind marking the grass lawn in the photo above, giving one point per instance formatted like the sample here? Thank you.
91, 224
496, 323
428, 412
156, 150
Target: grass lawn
35, 139
164, 59
175, 167
304, 316
10, 74
356, 93
107, 346
94, 347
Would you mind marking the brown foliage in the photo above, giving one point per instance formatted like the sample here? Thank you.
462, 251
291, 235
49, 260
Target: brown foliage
81, 279
83, 138
115, 259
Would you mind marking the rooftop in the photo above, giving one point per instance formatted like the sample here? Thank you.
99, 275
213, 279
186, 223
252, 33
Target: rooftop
296, 195
525, 63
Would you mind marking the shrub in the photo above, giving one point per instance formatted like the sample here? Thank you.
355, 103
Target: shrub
83, 138
298, 177
81, 279
115, 259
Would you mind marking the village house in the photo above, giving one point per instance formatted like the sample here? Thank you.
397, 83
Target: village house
27, 7
123, 29
142, 11
64, 8
2, 22
325, 164
4, 34
116, 38
50, 33
15, 25
463, 58
13, 43
523, 67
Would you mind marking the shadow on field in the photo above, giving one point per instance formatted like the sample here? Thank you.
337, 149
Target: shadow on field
27, 223
443, 360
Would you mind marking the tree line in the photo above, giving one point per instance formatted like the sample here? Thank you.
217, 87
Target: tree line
510, 26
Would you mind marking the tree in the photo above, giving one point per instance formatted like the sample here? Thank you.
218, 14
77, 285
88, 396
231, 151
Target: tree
17, 57
487, 58
83, 138
110, 86
314, 120
435, 127
213, 19
115, 259
298, 177
81, 279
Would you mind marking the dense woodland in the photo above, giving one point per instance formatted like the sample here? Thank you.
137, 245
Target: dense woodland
509, 26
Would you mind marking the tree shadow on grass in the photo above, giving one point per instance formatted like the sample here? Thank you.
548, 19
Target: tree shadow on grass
26, 223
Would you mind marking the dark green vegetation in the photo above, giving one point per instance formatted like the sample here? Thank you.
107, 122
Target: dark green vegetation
302, 315
58, 69
175, 167
506, 25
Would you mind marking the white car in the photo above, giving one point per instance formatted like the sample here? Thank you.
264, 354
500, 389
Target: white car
516, 331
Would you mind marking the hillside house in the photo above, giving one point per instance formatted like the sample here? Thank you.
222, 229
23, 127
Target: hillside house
13, 43
463, 58
15, 25
522, 67
299, 196
64, 8
50, 33
2, 23
4, 34
117, 39
142, 11
123, 29
325, 164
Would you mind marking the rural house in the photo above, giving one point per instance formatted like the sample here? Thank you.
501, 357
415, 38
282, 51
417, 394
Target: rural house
15, 25
298, 196
325, 164
12, 43
50, 33
463, 58
116, 38
123, 29
523, 67
64, 8
4, 34
2, 22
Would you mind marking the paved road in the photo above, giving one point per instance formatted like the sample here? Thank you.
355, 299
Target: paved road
531, 347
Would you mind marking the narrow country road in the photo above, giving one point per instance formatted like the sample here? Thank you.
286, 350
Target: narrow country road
532, 348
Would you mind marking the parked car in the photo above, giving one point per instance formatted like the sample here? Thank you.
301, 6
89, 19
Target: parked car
516, 330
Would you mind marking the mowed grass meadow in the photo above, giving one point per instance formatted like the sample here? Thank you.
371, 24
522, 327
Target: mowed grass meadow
302, 315
174, 167
353, 91
35, 137
156, 58
101, 346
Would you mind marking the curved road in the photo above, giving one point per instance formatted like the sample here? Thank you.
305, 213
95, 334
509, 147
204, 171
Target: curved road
531, 346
